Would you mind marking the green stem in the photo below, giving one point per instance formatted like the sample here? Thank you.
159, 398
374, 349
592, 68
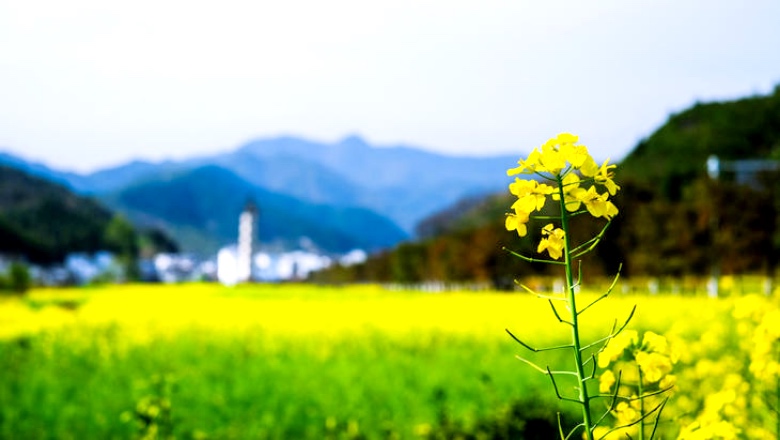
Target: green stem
581, 377
641, 392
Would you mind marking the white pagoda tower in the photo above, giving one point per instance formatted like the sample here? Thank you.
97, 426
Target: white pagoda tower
246, 233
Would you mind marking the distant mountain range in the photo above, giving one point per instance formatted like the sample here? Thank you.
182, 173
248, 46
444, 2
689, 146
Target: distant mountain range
336, 196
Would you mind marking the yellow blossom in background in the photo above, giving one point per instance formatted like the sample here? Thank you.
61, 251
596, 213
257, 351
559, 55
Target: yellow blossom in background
668, 381
645, 366
655, 342
721, 430
605, 433
606, 381
617, 346
765, 364
723, 413
625, 413
654, 366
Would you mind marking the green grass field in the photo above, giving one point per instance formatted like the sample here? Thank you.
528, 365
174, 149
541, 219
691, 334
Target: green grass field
300, 361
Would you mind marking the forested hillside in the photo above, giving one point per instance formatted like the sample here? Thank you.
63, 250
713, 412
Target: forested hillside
674, 219
676, 154
42, 222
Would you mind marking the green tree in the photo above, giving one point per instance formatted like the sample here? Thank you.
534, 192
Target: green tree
122, 240
17, 279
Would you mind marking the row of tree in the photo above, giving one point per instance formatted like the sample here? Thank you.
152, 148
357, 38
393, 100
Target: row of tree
721, 225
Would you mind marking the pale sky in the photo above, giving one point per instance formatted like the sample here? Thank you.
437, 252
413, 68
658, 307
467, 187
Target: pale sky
86, 84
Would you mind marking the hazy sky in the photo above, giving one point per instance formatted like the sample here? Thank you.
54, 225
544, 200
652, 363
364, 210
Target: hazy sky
92, 83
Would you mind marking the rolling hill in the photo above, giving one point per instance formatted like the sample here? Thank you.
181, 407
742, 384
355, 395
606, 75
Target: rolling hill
676, 154
200, 208
403, 183
44, 221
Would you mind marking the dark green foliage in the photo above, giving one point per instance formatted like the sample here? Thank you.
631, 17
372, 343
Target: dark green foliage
153, 241
465, 214
675, 220
122, 240
471, 246
17, 279
120, 237
675, 155
473, 255
44, 221
527, 419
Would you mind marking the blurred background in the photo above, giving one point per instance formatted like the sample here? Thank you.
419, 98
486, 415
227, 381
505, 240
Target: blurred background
372, 139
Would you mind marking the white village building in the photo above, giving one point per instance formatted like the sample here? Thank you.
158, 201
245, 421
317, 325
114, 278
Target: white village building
240, 262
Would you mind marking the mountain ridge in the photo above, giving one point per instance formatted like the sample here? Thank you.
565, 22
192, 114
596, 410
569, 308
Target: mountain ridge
211, 197
402, 182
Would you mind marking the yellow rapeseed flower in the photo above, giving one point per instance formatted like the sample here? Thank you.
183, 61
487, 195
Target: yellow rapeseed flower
553, 241
598, 205
551, 158
554, 155
654, 366
530, 194
604, 176
573, 195
527, 166
576, 155
606, 380
667, 382
626, 414
655, 342
616, 346
517, 222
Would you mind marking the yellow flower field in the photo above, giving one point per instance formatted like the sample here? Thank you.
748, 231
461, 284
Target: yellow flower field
284, 361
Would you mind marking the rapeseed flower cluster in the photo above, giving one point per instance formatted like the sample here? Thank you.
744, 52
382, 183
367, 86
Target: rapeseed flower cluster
765, 356
653, 355
562, 169
637, 372
722, 413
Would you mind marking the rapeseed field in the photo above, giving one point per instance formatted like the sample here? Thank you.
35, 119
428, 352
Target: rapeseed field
302, 361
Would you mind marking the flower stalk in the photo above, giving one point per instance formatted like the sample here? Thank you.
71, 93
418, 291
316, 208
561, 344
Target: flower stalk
565, 172
575, 328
